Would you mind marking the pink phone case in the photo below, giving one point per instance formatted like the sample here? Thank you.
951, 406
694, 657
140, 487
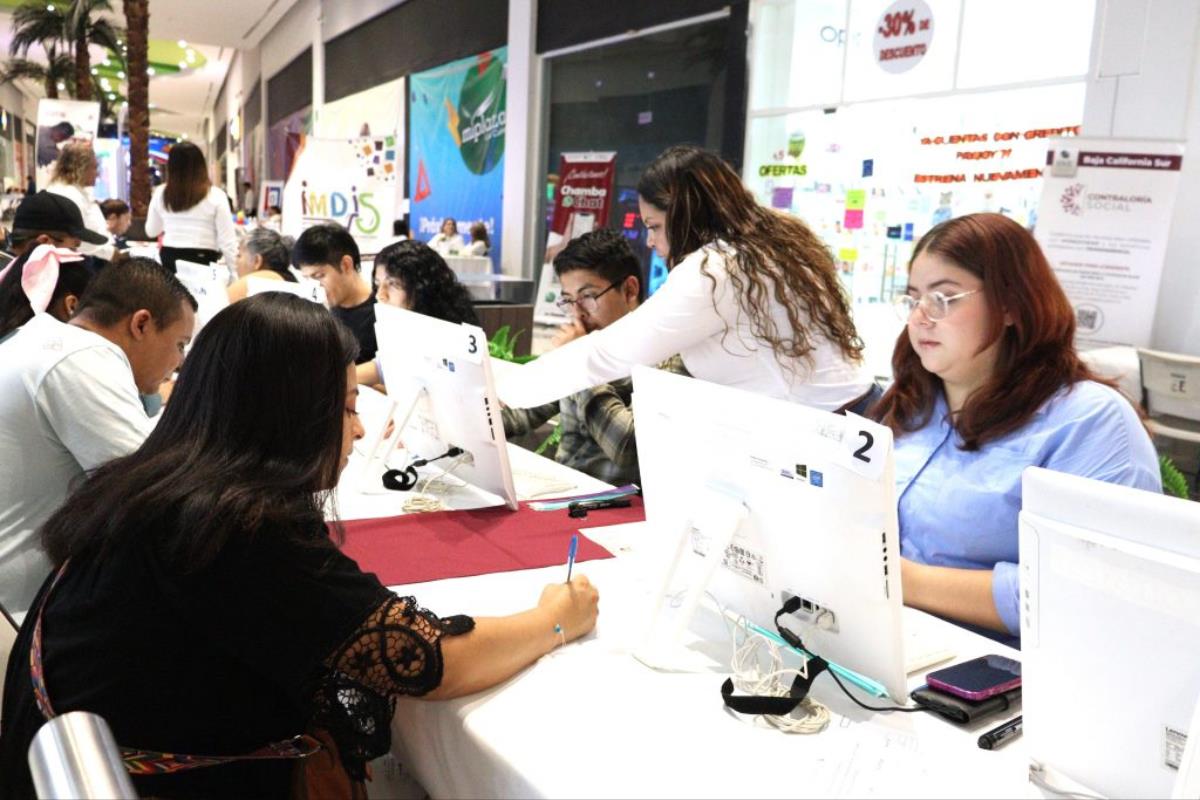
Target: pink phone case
982, 694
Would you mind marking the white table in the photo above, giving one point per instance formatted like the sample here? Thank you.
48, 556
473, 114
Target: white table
590, 721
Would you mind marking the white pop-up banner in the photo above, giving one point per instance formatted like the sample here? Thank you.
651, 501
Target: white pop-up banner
1103, 223
348, 181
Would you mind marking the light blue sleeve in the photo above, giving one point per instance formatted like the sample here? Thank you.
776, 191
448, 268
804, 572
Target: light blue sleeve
1101, 437
1006, 595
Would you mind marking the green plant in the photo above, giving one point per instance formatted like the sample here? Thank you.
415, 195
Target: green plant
1173, 481
503, 346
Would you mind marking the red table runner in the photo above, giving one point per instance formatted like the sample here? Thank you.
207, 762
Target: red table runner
413, 548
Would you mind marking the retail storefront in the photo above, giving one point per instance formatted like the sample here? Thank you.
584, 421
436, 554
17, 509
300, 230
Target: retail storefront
874, 120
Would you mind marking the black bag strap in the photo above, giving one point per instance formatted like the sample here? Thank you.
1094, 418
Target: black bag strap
778, 706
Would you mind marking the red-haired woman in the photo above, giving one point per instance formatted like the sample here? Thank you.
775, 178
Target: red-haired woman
987, 383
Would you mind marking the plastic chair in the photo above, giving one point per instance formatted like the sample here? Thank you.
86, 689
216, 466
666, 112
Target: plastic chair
1171, 396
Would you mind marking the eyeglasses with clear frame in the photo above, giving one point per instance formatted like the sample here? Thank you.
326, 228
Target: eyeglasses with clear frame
934, 305
585, 302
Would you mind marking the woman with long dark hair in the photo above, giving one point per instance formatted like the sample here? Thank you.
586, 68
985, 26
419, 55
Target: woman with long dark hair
192, 215
200, 604
752, 300
412, 275
988, 382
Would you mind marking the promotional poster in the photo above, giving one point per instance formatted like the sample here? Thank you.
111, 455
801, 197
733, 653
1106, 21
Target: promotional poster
347, 181
1103, 224
58, 123
456, 139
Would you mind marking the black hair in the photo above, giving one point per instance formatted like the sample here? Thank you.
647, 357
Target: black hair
399, 228
139, 283
325, 244
15, 310
605, 252
250, 441
114, 208
432, 287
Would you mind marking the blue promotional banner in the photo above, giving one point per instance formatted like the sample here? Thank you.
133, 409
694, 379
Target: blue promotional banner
456, 152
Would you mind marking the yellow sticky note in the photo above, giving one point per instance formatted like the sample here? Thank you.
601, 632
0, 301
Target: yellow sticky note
848, 254
856, 199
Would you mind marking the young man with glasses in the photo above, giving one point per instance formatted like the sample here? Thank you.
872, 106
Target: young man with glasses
601, 282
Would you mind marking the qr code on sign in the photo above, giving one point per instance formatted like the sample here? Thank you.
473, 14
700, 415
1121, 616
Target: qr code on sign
744, 562
1088, 318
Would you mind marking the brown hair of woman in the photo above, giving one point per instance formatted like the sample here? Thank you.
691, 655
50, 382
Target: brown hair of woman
187, 177
1036, 356
773, 255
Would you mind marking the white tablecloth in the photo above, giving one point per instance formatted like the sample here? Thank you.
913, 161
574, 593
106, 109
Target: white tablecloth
590, 721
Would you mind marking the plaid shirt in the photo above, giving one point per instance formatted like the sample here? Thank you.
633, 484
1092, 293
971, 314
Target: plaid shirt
597, 428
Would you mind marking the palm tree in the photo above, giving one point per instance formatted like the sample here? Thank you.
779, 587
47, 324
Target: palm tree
37, 23
83, 27
137, 36
59, 70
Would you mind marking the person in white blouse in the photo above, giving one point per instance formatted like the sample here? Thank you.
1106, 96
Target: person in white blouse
193, 216
752, 300
73, 178
480, 244
448, 241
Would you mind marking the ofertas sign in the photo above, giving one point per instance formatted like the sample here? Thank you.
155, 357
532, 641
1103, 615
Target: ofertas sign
903, 35
1103, 222
584, 196
347, 181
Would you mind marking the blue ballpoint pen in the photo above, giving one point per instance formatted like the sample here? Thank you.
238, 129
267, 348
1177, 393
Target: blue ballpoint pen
571, 554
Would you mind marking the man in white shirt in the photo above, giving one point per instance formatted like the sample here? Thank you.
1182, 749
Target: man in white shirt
69, 403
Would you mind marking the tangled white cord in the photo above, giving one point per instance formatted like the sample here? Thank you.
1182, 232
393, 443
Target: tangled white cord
749, 677
421, 502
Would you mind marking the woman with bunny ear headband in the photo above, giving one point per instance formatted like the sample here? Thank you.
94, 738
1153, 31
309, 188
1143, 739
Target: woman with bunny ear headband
46, 279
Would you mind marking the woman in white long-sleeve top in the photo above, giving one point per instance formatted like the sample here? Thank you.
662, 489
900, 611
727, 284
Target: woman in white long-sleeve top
73, 178
193, 216
752, 300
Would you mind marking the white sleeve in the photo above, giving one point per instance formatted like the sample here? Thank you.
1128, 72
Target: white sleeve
680, 314
93, 220
154, 215
227, 241
92, 404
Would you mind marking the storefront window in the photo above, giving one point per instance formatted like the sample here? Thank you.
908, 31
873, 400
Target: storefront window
637, 97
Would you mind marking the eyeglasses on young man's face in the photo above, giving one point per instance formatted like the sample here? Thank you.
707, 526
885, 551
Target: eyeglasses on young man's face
586, 301
934, 305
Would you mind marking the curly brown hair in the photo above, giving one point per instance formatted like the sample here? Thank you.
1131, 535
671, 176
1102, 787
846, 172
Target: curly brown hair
773, 255
74, 161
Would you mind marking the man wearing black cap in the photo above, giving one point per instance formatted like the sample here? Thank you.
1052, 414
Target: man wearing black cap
46, 218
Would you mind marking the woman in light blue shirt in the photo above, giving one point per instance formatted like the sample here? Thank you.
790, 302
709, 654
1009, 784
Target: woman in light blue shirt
987, 383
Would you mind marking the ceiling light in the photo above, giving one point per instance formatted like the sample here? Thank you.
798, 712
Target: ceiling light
183, 65
182, 43
121, 75
95, 71
49, 8
61, 86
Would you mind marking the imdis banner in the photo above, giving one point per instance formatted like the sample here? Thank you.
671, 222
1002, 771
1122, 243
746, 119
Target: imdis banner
583, 198
457, 119
1103, 224
348, 181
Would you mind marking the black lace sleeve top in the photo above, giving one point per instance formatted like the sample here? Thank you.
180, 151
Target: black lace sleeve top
276, 636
